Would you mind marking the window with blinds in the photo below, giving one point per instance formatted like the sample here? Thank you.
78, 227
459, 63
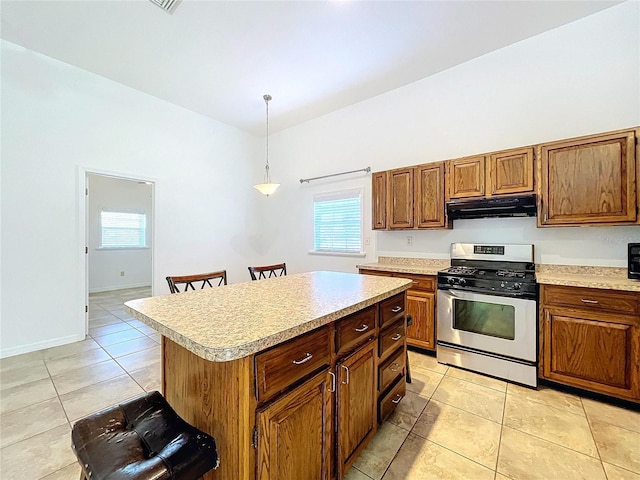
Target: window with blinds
123, 230
337, 222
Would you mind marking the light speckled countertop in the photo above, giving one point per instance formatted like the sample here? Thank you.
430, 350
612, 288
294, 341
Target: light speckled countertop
234, 321
421, 266
610, 278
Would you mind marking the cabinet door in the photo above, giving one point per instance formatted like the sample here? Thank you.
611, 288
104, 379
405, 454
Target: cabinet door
356, 404
401, 198
466, 177
421, 307
294, 434
510, 172
379, 200
596, 352
429, 196
590, 180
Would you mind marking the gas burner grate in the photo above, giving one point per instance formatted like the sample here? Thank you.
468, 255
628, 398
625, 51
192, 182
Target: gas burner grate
462, 270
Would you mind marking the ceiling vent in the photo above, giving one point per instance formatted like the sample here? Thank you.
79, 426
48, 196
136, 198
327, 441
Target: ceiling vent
167, 5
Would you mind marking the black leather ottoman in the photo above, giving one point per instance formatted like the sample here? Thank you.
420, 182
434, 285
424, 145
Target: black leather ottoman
143, 438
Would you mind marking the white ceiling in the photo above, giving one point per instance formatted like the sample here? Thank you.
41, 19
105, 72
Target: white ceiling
218, 58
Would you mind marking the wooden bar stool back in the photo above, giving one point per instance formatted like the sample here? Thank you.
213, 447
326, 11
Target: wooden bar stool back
268, 271
200, 280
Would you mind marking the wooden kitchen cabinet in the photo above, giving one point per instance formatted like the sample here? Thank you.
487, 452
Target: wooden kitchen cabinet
589, 180
400, 198
429, 196
295, 432
590, 339
379, 200
466, 177
356, 405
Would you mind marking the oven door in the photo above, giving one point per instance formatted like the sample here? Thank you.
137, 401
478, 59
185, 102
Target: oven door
490, 323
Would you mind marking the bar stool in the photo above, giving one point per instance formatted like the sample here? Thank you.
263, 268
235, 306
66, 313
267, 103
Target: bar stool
142, 438
207, 279
277, 270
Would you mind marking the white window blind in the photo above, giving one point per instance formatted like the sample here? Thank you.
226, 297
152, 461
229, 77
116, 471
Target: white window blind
123, 230
337, 222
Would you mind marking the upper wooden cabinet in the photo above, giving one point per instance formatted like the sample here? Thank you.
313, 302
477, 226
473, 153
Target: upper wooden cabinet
400, 198
500, 173
589, 180
408, 198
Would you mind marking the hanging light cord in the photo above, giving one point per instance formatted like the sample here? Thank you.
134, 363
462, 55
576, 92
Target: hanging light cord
266, 168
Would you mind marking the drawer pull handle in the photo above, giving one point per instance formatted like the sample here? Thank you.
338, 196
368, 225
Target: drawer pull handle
396, 337
585, 300
394, 367
363, 328
333, 382
396, 309
398, 398
346, 382
304, 360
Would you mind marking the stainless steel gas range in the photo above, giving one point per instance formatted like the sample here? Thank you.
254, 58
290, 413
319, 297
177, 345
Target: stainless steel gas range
487, 315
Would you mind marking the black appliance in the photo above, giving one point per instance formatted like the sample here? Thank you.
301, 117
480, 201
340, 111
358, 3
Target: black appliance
518, 206
634, 261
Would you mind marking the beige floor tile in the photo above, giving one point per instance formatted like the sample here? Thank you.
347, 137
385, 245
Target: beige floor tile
499, 476
616, 473
477, 378
156, 337
20, 361
617, 446
526, 457
24, 395
408, 410
80, 403
70, 472
104, 320
146, 329
142, 359
355, 474
483, 401
22, 375
107, 329
119, 337
38, 456
84, 359
429, 362
130, 346
549, 423
136, 324
29, 421
150, 377
460, 431
604, 412
548, 396
420, 459
377, 456
82, 377
424, 382
69, 349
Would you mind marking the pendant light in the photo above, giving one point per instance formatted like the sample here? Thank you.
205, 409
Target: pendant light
267, 188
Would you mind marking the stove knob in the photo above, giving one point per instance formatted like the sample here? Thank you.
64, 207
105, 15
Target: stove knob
462, 281
517, 286
502, 284
451, 280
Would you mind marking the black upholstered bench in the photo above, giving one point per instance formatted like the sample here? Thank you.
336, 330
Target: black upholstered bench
142, 438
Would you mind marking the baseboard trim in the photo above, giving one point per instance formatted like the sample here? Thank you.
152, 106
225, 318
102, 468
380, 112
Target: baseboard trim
33, 347
118, 287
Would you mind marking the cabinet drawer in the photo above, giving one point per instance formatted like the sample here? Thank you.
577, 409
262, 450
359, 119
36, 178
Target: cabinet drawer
355, 329
285, 364
390, 369
391, 338
388, 402
391, 309
420, 282
592, 299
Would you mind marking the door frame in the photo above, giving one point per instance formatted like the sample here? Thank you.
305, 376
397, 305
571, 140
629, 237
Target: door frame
83, 230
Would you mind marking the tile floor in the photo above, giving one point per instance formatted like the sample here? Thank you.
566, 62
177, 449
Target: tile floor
452, 424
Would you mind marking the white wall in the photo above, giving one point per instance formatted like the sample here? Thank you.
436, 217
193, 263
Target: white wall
579, 79
58, 119
107, 264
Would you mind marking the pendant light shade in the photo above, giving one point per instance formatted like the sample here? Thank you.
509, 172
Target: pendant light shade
267, 188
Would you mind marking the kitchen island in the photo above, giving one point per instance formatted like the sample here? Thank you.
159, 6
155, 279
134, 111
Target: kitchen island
291, 375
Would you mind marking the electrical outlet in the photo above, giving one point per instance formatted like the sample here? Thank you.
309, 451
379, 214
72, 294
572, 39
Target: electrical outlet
409, 240
367, 241
122, 274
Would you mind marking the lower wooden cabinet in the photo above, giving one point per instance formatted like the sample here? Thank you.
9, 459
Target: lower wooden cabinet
590, 339
294, 433
356, 404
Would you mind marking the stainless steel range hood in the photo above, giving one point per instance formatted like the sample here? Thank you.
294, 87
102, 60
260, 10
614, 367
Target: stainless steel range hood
519, 206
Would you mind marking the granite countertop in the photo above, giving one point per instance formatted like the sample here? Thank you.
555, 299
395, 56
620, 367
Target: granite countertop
234, 321
421, 266
610, 278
